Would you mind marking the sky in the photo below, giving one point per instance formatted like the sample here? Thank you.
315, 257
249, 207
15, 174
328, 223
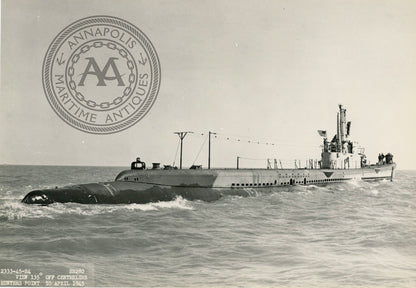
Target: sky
258, 71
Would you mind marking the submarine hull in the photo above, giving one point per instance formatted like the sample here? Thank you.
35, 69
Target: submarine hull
144, 186
125, 193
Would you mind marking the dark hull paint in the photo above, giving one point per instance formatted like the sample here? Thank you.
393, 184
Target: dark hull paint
125, 193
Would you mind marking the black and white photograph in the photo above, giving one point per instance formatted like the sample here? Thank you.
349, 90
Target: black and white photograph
208, 143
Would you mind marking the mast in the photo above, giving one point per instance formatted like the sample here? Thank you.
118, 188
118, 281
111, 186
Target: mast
343, 124
209, 148
181, 136
338, 136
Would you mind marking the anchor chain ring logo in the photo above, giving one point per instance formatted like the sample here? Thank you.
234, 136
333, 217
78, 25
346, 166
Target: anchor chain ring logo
101, 74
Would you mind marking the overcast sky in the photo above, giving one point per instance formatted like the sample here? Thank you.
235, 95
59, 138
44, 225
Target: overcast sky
271, 71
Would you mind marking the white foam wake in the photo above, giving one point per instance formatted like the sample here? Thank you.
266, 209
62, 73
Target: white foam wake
15, 210
178, 203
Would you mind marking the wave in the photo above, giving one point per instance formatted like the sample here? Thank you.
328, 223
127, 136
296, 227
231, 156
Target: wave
178, 203
15, 210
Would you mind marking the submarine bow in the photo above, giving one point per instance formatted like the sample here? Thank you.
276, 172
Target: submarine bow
124, 193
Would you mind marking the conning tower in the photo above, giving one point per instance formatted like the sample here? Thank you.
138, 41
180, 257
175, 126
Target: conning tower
341, 152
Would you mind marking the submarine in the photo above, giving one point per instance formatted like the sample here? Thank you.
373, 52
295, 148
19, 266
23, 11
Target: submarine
341, 160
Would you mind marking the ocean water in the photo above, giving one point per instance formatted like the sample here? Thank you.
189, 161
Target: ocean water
358, 234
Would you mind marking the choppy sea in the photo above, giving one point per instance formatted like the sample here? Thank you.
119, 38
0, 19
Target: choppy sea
358, 234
